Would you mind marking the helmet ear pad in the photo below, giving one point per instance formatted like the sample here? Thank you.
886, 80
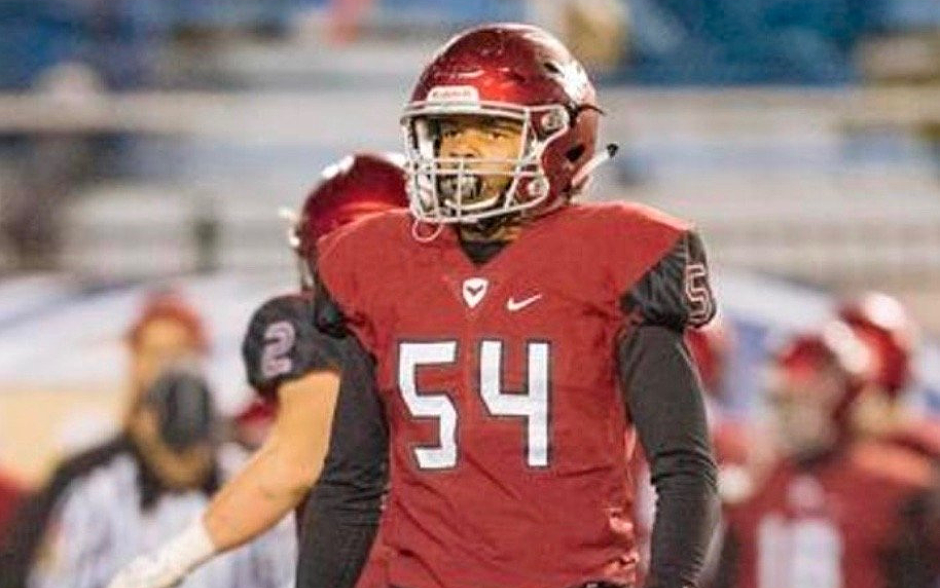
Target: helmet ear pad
565, 156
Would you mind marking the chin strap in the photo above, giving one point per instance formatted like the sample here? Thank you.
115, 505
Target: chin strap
581, 179
425, 238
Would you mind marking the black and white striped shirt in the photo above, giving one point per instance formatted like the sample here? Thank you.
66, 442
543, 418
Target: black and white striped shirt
109, 512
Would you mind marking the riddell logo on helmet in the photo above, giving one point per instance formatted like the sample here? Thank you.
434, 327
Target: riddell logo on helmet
461, 94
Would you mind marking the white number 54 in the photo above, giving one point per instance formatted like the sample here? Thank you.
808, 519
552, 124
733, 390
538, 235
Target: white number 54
533, 405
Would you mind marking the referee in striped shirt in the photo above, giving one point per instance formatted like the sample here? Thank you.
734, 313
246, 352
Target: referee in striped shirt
126, 497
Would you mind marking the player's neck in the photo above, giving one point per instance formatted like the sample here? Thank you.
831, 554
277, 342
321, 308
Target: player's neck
482, 244
478, 233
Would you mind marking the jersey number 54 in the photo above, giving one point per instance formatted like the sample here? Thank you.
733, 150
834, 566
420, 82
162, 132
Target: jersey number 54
531, 405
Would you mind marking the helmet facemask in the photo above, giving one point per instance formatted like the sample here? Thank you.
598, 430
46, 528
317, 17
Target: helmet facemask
449, 184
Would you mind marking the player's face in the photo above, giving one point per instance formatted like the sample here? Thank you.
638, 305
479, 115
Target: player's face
486, 147
803, 403
874, 414
160, 344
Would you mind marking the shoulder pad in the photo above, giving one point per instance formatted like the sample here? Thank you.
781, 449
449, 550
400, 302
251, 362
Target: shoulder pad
675, 292
282, 344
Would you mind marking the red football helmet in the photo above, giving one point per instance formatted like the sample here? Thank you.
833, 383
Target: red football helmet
511, 72
358, 185
835, 348
883, 323
710, 346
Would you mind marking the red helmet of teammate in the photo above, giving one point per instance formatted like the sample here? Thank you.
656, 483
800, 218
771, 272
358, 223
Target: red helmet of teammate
358, 185
834, 350
509, 72
710, 346
885, 326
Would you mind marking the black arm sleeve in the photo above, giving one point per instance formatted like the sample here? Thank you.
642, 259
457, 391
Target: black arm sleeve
342, 513
726, 575
24, 537
664, 398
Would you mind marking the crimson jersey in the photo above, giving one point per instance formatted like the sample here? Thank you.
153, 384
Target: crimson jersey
831, 524
507, 427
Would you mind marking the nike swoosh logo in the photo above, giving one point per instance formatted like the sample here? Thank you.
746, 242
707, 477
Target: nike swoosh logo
513, 306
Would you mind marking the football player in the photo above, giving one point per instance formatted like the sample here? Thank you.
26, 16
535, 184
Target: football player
519, 337
288, 362
834, 510
891, 335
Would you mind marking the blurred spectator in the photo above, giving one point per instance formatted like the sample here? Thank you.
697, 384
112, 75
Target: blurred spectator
111, 503
834, 511
11, 494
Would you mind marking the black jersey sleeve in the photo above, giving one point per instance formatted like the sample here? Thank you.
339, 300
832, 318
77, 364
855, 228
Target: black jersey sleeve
341, 515
676, 292
282, 343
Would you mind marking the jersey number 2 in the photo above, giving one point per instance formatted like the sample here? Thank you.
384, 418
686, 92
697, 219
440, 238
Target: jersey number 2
532, 405
279, 339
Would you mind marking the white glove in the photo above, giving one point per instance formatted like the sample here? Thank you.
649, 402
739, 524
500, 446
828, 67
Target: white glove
169, 565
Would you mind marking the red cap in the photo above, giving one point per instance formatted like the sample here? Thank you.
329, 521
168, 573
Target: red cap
170, 306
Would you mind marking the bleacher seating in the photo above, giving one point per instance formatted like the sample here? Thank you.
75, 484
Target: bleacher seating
759, 41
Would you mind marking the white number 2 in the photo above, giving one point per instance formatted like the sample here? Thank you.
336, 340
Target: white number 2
279, 339
533, 405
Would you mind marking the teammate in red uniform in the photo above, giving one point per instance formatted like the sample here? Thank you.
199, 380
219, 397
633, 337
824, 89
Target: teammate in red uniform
833, 511
886, 327
518, 336
290, 363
